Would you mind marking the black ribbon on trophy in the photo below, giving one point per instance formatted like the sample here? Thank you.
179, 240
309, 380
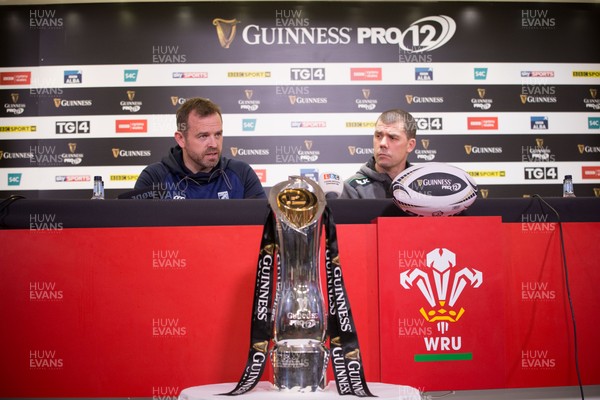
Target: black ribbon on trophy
261, 331
344, 349
343, 342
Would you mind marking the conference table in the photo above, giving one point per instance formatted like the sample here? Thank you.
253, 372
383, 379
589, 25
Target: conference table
144, 298
133, 213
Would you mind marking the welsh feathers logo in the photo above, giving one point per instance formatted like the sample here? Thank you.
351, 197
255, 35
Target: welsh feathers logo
441, 284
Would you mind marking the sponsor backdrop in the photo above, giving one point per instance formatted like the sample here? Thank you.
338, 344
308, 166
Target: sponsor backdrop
506, 91
460, 303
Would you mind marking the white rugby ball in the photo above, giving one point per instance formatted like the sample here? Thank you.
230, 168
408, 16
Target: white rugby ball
434, 189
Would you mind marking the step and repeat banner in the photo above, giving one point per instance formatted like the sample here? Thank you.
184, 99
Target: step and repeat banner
506, 91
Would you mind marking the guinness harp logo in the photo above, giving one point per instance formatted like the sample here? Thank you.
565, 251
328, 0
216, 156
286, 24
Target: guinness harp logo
523, 98
270, 249
226, 29
72, 147
115, 153
353, 355
15, 97
263, 347
131, 95
234, 151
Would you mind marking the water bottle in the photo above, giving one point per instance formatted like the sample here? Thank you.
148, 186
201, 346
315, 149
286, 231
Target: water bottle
98, 188
568, 186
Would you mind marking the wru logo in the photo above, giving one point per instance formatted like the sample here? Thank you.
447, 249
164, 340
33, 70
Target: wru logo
441, 285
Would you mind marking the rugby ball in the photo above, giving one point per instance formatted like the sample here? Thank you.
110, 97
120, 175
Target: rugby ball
434, 189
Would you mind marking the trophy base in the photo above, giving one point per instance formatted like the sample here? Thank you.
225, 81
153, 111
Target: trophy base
264, 391
299, 365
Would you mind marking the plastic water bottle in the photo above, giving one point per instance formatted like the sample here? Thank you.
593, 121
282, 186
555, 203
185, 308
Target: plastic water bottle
98, 188
568, 186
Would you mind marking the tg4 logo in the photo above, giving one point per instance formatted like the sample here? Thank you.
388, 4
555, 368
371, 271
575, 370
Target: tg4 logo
541, 173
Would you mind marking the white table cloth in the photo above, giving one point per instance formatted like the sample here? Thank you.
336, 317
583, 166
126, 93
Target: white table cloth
265, 391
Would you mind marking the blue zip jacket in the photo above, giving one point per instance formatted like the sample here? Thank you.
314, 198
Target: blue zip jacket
229, 179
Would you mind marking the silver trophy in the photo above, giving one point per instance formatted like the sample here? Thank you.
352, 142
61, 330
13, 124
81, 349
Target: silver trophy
299, 355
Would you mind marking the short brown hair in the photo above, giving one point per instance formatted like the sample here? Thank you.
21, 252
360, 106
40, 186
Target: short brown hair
202, 107
396, 115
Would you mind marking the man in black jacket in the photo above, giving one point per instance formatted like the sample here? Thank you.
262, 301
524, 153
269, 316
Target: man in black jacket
195, 168
394, 138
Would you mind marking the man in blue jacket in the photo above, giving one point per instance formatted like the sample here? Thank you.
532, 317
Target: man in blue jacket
195, 168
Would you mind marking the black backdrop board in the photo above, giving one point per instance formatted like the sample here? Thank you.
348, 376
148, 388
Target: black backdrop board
507, 91
126, 33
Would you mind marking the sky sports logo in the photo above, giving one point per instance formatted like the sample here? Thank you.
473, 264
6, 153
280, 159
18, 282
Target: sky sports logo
14, 179
190, 75
308, 124
537, 74
593, 122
